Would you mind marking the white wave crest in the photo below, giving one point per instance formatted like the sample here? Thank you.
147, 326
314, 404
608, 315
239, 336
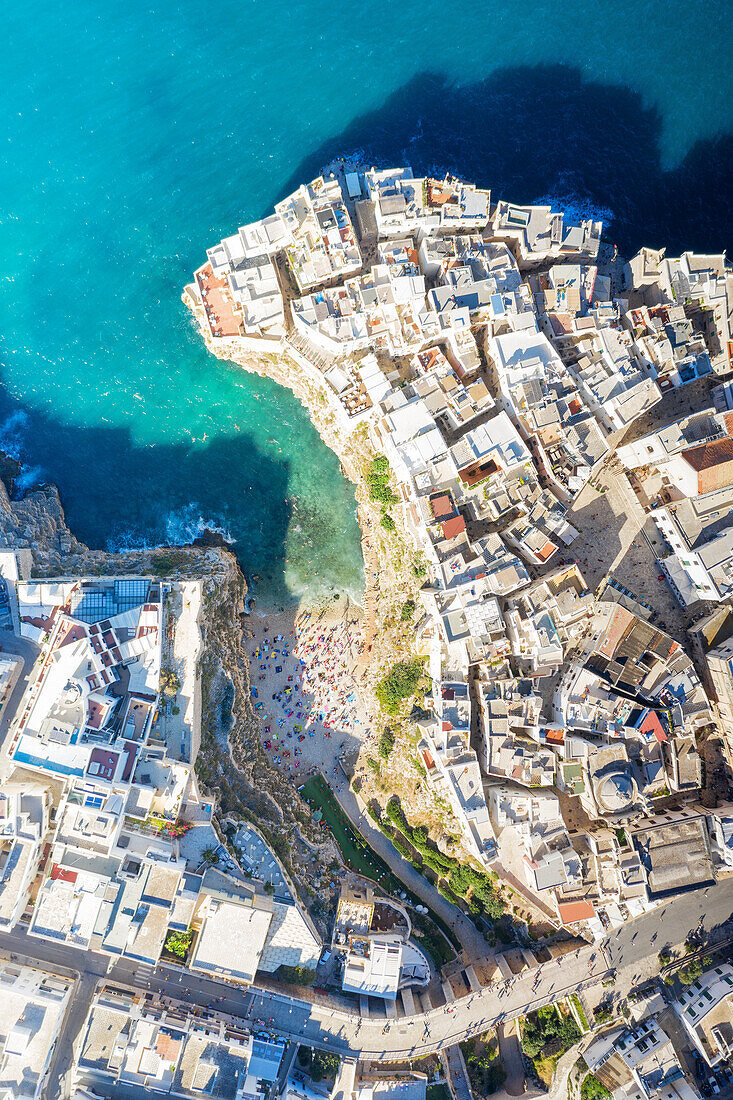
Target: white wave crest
186, 524
180, 527
576, 207
11, 433
27, 479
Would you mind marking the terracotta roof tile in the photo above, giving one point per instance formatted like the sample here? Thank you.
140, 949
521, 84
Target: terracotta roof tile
710, 454
453, 527
572, 911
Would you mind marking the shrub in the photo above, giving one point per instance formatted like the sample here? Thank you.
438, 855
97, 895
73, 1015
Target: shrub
168, 562
408, 610
377, 480
419, 767
386, 743
179, 943
400, 683
373, 814
401, 848
592, 1089
170, 684
387, 522
297, 975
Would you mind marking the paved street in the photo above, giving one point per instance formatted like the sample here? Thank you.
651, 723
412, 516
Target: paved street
510, 1053
457, 1073
618, 539
21, 647
636, 940
349, 1033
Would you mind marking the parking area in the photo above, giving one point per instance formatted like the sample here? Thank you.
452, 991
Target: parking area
6, 618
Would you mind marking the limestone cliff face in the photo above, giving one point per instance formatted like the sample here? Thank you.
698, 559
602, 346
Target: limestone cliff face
38, 522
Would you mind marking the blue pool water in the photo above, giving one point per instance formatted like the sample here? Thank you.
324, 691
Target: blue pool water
136, 135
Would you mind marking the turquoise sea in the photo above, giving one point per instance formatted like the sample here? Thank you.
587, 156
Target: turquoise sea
135, 135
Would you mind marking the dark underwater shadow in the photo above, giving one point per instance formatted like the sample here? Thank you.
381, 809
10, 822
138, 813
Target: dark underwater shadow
532, 131
118, 494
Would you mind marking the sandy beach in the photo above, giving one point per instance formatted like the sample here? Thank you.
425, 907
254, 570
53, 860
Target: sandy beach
304, 670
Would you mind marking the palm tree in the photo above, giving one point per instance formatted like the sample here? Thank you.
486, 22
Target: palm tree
210, 856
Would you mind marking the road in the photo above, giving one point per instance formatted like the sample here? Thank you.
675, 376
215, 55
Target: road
27, 652
510, 1053
347, 1033
669, 924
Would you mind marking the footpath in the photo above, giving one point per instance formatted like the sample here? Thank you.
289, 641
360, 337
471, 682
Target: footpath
473, 943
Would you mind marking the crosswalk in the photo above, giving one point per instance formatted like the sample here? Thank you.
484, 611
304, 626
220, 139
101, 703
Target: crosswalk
143, 974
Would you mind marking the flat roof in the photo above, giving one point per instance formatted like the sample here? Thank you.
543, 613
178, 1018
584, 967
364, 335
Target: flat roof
231, 940
374, 969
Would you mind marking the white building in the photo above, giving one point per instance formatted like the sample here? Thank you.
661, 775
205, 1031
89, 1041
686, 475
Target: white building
372, 966
404, 205
91, 631
492, 450
23, 824
134, 1044
611, 385
639, 1063
32, 1010
700, 572
705, 1010
323, 245
382, 309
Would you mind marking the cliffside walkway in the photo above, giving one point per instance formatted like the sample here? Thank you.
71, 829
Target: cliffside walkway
473, 943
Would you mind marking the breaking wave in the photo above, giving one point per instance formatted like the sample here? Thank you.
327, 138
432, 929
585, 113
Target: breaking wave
576, 207
12, 431
186, 524
180, 527
28, 478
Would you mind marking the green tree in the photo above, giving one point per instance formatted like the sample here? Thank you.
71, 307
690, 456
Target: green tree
408, 610
377, 480
386, 743
400, 683
324, 1064
546, 1032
